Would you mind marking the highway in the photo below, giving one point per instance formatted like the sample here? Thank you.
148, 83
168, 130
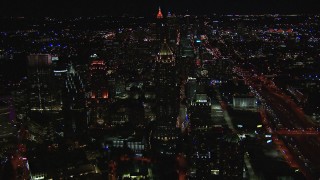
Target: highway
295, 136
288, 120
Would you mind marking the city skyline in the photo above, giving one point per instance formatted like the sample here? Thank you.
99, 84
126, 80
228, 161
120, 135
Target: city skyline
146, 8
167, 94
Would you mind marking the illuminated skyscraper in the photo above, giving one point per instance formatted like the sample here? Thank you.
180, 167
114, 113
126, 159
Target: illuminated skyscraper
204, 155
159, 15
45, 105
232, 157
167, 89
167, 101
98, 81
98, 94
200, 113
161, 27
40, 78
74, 104
173, 29
191, 88
7, 117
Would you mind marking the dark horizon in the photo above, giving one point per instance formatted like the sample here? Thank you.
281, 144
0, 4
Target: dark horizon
39, 8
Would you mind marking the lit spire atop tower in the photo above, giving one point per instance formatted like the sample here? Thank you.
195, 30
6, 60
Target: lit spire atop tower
165, 54
159, 15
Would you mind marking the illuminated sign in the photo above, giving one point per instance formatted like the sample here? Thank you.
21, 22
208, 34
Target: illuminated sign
201, 101
59, 71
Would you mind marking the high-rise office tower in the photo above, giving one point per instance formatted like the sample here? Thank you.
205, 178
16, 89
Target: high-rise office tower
161, 27
200, 113
167, 89
173, 29
159, 15
232, 157
98, 92
204, 155
40, 79
75, 122
44, 106
167, 101
191, 88
98, 81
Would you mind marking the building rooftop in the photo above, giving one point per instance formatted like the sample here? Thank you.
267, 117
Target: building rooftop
165, 50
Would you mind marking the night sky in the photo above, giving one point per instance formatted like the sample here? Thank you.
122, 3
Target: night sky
148, 7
